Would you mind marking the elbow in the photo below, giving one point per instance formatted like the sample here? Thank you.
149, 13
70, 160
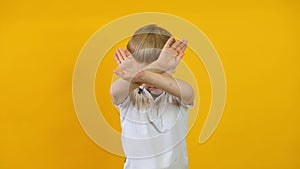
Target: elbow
113, 92
188, 96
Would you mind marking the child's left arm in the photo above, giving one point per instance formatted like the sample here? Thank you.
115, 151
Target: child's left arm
169, 58
173, 86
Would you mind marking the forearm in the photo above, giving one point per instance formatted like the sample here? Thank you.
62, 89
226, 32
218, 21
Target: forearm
155, 67
120, 89
175, 87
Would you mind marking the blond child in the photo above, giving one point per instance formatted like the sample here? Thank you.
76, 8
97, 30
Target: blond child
153, 105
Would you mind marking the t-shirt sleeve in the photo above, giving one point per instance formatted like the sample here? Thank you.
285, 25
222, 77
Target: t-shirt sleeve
187, 105
178, 101
182, 104
123, 104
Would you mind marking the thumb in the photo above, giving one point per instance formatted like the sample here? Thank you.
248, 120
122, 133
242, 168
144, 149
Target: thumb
118, 72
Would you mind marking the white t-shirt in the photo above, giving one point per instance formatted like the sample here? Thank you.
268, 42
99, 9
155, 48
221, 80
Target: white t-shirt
155, 138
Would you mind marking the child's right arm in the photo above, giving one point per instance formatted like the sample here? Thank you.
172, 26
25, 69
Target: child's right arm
120, 89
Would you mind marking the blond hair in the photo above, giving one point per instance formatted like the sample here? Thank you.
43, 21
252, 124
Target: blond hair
145, 46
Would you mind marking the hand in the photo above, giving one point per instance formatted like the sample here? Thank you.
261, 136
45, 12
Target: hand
170, 55
128, 66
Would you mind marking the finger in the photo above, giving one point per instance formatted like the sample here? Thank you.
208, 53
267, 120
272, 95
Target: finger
119, 55
116, 59
169, 42
128, 54
118, 72
180, 55
123, 53
170, 52
177, 44
185, 46
182, 46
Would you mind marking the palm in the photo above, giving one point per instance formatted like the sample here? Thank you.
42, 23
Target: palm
168, 59
171, 55
128, 66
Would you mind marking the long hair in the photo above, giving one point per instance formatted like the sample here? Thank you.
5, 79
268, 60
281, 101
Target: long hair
145, 46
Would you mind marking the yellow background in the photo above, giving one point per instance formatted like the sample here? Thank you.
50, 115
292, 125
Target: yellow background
258, 43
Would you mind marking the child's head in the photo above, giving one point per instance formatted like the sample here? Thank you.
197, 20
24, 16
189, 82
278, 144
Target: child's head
145, 46
147, 42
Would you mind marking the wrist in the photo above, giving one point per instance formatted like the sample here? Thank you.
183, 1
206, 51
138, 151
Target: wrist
138, 77
155, 67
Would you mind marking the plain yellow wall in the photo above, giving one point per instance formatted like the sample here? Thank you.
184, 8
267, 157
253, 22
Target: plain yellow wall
258, 43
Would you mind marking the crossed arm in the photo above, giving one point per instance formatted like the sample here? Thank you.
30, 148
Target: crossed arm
134, 74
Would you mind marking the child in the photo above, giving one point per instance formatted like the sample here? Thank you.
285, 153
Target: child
153, 105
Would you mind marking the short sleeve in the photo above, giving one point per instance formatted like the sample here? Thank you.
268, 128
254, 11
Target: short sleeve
187, 105
123, 104
182, 104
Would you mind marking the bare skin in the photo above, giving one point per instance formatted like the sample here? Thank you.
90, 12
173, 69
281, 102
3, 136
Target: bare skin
155, 77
